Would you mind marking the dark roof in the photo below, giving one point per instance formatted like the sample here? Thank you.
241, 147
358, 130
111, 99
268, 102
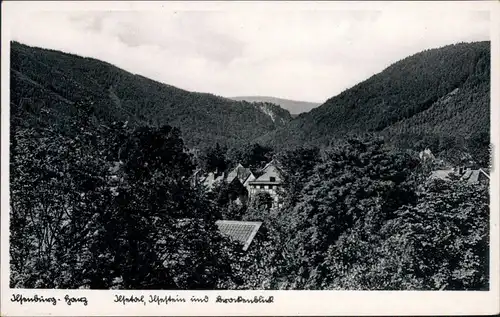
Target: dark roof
239, 172
242, 231
273, 162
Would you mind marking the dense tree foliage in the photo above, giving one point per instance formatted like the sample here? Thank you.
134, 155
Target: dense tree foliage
213, 159
357, 184
253, 155
297, 165
111, 208
367, 217
56, 186
441, 242
120, 212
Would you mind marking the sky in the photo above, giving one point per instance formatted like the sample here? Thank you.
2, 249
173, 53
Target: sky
308, 53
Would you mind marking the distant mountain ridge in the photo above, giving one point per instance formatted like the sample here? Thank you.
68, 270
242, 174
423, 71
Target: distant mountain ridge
438, 98
46, 85
295, 107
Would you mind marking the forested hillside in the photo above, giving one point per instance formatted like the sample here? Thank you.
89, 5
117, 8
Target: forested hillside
438, 98
294, 106
46, 85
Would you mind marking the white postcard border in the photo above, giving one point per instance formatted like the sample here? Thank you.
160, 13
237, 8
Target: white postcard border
283, 302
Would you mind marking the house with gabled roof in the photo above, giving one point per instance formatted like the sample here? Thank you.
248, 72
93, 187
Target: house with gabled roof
242, 174
270, 181
471, 176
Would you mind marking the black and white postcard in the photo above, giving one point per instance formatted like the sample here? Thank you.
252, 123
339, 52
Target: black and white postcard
250, 158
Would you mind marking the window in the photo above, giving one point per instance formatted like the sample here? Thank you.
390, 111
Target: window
272, 179
271, 186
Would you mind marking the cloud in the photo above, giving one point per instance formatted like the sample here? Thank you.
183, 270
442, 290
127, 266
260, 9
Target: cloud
304, 54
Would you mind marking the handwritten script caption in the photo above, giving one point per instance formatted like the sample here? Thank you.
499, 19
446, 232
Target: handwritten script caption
68, 300
142, 300
166, 300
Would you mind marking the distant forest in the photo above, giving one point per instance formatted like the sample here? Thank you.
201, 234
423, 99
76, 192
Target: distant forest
437, 99
48, 84
102, 161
